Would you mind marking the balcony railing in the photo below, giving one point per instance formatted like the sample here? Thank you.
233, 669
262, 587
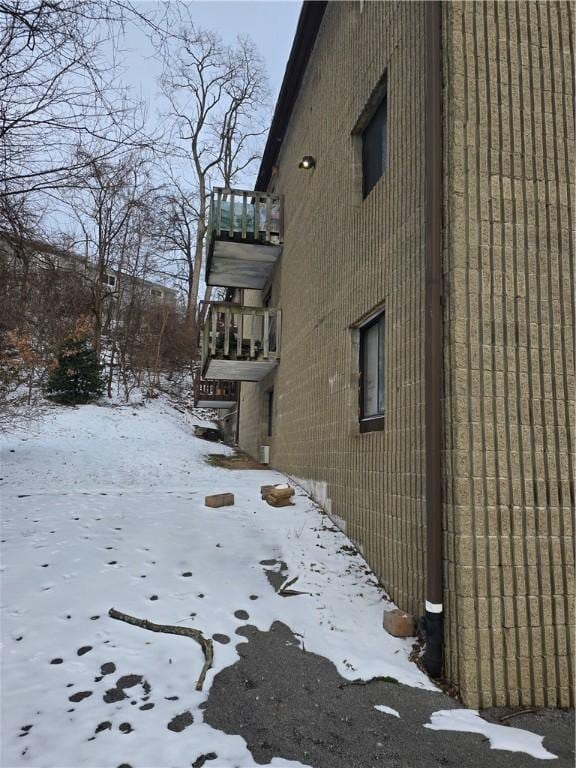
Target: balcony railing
240, 343
215, 394
245, 235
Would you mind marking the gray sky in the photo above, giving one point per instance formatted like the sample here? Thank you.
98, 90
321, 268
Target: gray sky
269, 23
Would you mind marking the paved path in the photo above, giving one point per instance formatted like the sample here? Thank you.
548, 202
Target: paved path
288, 702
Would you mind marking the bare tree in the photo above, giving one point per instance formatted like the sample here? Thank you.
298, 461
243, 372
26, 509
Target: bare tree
57, 91
216, 95
108, 207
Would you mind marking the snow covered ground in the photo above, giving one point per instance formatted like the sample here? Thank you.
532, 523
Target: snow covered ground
103, 507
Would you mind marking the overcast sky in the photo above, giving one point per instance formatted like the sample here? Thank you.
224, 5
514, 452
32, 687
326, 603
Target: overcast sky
270, 24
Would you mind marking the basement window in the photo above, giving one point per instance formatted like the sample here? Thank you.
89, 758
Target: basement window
375, 146
372, 375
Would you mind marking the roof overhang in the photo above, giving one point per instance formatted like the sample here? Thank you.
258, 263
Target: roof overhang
306, 32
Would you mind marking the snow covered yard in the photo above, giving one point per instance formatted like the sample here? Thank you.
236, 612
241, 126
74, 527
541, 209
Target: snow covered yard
104, 507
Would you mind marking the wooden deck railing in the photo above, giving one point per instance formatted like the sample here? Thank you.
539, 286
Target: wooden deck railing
233, 332
240, 214
213, 390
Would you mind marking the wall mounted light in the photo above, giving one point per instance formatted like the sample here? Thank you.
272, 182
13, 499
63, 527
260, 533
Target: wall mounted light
307, 163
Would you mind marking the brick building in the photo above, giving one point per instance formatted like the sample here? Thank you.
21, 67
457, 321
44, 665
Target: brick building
403, 322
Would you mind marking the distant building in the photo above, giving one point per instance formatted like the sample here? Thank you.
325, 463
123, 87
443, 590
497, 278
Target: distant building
45, 255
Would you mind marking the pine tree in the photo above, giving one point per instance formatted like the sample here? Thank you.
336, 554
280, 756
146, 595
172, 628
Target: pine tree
76, 377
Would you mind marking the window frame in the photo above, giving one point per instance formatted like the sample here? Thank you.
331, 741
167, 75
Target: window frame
372, 422
381, 106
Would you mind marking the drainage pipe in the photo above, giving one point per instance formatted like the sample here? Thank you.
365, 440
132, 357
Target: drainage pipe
433, 358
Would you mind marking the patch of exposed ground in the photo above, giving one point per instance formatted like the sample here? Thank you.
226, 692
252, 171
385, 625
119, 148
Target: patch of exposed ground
238, 460
286, 702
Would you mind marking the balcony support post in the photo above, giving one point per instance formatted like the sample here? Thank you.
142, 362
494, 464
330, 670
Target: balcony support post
244, 214
214, 333
227, 334
239, 334
266, 340
252, 340
231, 216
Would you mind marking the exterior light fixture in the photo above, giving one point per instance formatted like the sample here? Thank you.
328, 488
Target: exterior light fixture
307, 163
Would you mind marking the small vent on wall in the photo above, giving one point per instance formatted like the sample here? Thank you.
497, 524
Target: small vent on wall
264, 454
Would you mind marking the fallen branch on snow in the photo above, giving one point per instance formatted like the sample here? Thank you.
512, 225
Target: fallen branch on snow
285, 592
285, 584
170, 629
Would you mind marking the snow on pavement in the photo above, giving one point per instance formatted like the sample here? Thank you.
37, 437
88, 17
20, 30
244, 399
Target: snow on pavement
500, 736
103, 507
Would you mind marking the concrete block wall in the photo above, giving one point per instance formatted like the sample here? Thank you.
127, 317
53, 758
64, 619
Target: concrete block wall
509, 366
508, 325
344, 256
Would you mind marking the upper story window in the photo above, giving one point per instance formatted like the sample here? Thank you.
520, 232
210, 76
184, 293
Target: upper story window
110, 280
156, 293
372, 381
375, 146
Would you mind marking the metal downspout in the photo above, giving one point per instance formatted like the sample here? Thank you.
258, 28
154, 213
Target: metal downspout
433, 357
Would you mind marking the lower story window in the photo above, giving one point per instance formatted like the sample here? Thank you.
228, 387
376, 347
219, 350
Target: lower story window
270, 412
372, 375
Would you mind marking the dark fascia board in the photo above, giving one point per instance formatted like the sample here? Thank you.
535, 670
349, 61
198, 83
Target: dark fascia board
306, 32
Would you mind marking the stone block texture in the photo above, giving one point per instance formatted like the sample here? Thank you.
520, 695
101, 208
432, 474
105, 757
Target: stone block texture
509, 336
344, 256
508, 414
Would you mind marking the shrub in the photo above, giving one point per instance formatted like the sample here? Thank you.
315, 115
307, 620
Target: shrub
76, 377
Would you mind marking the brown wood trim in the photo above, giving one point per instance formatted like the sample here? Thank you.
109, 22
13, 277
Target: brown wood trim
373, 319
433, 357
304, 39
375, 424
433, 350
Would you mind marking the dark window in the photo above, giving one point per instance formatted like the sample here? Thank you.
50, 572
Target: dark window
375, 147
372, 375
270, 411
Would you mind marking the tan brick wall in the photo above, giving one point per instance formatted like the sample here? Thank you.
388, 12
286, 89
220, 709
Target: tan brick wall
253, 401
343, 257
509, 322
509, 333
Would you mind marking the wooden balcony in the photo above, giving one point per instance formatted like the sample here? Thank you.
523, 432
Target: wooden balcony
240, 343
215, 394
245, 235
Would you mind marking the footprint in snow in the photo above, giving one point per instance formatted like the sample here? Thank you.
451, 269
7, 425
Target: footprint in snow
80, 695
180, 722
